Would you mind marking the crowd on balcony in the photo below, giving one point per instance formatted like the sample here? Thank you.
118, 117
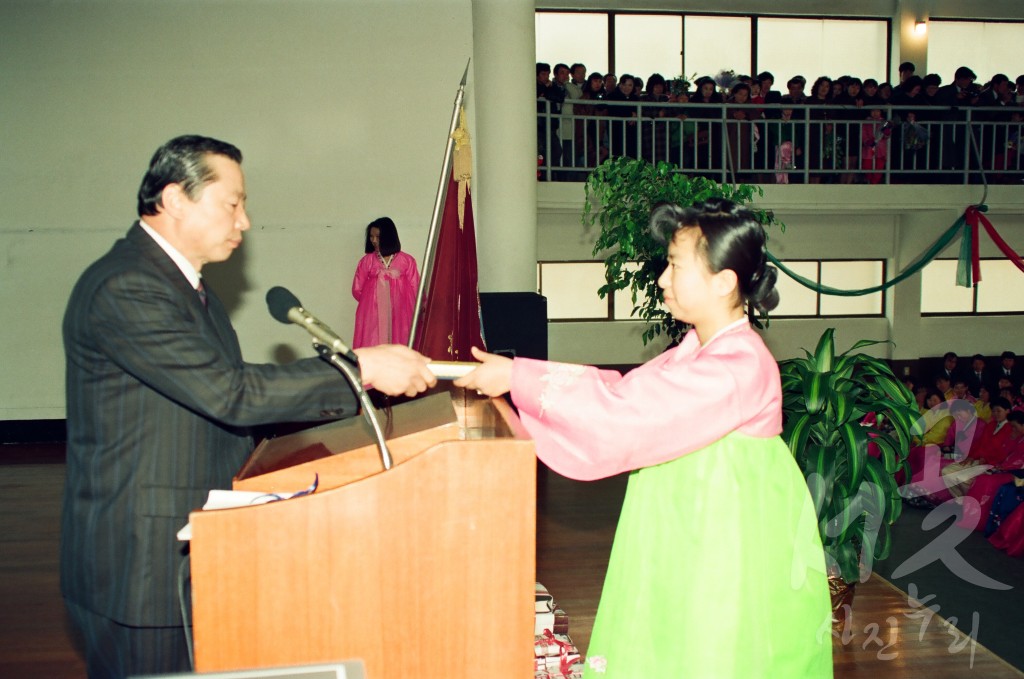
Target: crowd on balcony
843, 130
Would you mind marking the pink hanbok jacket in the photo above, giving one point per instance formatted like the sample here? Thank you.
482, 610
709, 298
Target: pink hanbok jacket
590, 424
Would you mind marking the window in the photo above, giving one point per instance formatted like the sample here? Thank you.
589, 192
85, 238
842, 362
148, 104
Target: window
1000, 290
715, 43
986, 47
571, 290
796, 300
570, 37
814, 47
648, 43
691, 44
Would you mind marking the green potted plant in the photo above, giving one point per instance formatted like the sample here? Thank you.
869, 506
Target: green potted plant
620, 194
848, 422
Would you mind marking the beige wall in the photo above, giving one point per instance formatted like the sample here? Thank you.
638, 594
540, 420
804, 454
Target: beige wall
341, 109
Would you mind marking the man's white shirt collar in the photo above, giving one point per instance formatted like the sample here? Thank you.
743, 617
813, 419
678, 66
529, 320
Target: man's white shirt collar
179, 259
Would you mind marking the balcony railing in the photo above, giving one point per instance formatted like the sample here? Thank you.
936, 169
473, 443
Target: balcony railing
818, 144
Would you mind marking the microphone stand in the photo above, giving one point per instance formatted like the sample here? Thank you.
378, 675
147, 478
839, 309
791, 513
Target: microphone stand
347, 369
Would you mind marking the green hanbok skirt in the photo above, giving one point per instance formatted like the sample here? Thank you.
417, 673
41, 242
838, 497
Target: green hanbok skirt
717, 571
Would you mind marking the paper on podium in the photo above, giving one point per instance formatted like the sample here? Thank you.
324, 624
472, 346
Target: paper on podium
232, 499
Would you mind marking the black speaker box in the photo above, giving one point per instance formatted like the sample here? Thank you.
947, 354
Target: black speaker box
515, 323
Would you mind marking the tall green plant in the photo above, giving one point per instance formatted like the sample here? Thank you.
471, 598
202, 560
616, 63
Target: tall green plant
620, 195
835, 408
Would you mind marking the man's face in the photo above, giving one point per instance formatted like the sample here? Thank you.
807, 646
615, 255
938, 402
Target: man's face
950, 363
210, 227
562, 76
544, 77
964, 81
1008, 363
579, 75
978, 365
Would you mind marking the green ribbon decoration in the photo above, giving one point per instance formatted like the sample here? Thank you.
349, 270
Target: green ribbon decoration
923, 259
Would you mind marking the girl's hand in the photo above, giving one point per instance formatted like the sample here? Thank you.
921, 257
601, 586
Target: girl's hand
493, 377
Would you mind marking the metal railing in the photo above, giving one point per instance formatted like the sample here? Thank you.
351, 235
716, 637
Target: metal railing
833, 144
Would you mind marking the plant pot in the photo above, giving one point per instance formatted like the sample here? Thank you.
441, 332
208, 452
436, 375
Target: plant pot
842, 599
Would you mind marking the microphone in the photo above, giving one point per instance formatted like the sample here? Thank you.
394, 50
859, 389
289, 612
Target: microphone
286, 308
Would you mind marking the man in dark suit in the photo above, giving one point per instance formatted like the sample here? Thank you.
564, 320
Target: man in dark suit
160, 402
978, 377
1008, 368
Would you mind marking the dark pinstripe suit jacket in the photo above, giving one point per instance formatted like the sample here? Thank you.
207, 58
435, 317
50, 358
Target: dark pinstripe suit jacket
159, 403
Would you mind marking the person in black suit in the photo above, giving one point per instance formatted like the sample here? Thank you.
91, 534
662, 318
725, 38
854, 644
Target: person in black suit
160, 405
978, 376
1008, 368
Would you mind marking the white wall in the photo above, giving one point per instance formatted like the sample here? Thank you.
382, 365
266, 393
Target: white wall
340, 108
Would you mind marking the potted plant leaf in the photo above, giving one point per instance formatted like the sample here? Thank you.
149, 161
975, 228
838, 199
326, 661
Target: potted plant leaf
620, 194
848, 422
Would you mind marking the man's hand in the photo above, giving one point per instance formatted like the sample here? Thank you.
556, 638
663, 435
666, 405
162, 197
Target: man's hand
395, 369
493, 377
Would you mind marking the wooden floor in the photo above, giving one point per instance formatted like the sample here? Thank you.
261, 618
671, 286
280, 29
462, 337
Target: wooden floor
887, 638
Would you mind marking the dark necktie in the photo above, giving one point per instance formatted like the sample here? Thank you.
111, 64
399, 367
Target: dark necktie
201, 291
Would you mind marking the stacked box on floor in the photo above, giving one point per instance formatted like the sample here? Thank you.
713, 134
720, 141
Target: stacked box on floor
555, 655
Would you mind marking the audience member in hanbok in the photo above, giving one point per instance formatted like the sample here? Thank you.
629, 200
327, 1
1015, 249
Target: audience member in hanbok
978, 499
714, 495
927, 460
990, 445
983, 405
1008, 498
874, 154
385, 284
786, 138
1009, 536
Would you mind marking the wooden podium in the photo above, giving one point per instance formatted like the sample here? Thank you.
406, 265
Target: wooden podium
424, 570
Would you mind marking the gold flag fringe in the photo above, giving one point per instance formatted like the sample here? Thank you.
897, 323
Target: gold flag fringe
462, 162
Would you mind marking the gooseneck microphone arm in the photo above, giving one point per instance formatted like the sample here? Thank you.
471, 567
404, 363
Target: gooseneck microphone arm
285, 307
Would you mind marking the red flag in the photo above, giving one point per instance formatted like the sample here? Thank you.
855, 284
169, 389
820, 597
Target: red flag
449, 321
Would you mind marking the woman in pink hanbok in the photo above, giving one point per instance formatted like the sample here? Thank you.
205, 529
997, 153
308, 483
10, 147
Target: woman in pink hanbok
717, 569
385, 285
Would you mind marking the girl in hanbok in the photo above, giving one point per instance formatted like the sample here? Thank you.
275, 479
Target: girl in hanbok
385, 285
717, 568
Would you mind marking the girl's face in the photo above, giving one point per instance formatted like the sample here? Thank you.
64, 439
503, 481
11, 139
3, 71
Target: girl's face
375, 238
824, 89
609, 82
657, 89
741, 96
707, 89
870, 90
933, 401
626, 86
690, 289
876, 114
853, 89
596, 84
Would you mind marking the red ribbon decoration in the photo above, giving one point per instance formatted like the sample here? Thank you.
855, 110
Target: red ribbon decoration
973, 215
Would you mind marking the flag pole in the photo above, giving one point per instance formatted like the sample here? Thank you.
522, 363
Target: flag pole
435, 219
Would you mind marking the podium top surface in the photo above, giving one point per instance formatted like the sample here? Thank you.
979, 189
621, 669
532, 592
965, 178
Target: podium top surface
448, 414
